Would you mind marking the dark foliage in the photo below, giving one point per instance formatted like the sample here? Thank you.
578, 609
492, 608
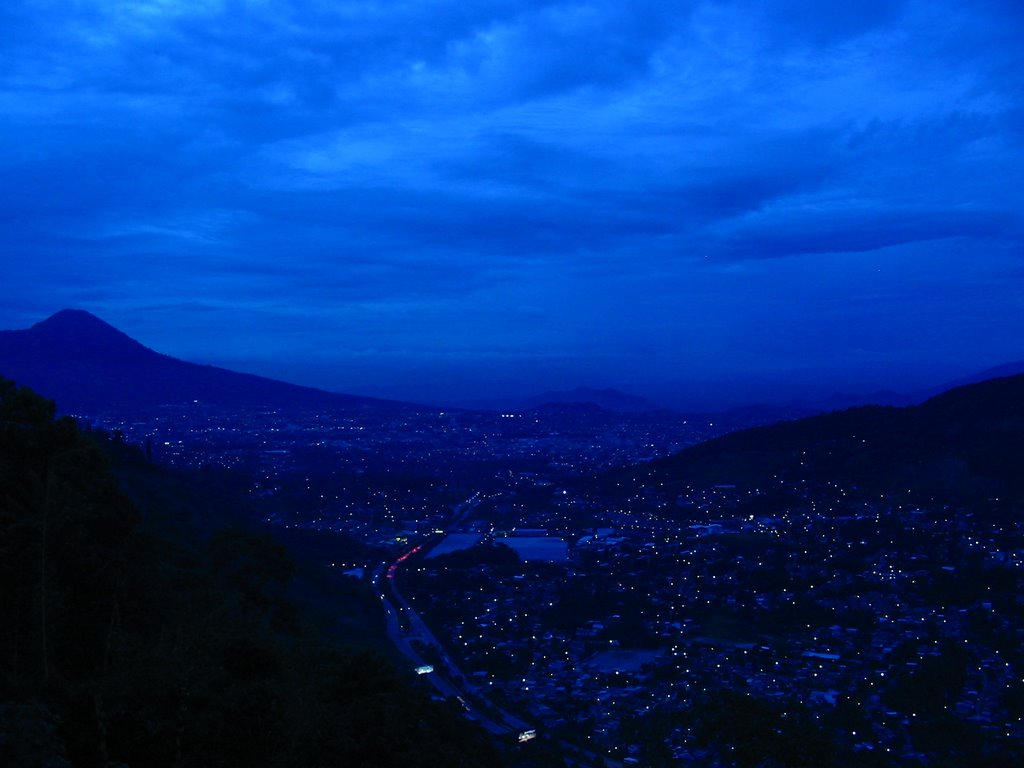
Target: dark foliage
747, 731
129, 638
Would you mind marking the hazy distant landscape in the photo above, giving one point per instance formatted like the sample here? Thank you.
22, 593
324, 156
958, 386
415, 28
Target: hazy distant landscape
576, 585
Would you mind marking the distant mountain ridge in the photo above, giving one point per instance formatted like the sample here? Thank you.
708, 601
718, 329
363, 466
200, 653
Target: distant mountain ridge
83, 363
840, 400
609, 399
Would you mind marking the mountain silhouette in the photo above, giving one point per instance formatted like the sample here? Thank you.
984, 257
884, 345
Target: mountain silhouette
968, 441
85, 364
841, 400
608, 399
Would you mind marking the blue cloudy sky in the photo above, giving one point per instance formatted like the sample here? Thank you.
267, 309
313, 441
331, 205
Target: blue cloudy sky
437, 200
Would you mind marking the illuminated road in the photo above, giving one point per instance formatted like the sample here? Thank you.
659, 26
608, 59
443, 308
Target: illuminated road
398, 609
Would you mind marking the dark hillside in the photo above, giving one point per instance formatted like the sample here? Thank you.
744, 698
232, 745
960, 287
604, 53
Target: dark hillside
128, 639
968, 441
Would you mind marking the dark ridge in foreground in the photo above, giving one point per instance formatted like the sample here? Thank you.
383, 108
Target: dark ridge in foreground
85, 364
132, 636
969, 441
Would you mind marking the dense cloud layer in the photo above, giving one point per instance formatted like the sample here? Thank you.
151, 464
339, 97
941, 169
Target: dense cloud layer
507, 193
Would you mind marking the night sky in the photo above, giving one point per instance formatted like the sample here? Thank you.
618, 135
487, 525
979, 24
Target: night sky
444, 201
